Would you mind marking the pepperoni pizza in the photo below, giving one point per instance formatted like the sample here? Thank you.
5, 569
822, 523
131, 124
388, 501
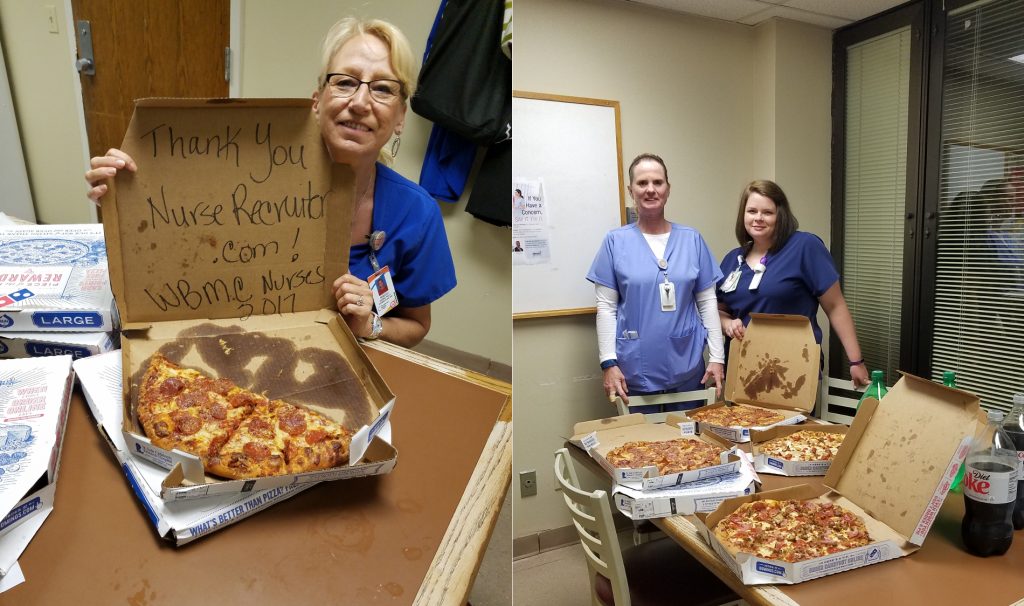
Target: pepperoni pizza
235, 432
737, 416
669, 456
790, 530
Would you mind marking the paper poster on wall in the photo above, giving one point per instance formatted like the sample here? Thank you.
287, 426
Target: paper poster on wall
530, 235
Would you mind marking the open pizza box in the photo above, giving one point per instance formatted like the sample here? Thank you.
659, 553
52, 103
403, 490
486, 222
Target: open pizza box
179, 522
600, 436
893, 470
774, 366
766, 463
34, 397
222, 250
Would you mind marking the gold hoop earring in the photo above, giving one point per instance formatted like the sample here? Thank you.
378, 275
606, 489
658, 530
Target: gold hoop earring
395, 145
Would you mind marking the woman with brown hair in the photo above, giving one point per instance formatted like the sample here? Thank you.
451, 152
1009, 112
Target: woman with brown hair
778, 269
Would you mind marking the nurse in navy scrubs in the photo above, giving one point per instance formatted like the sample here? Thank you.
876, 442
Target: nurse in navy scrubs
780, 270
655, 286
367, 75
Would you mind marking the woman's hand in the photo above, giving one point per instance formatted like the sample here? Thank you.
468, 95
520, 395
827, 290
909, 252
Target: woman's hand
859, 375
106, 167
715, 370
734, 328
355, 303
615, 384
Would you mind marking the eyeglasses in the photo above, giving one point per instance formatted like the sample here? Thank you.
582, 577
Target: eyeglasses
344, 85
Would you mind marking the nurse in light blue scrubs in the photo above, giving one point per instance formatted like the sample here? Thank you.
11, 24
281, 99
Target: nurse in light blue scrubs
779, 270
656, 306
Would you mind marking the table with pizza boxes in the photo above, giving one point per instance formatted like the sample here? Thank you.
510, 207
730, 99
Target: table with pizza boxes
234, 296
885, 476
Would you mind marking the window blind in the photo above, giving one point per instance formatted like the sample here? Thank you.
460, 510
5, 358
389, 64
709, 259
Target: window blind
877, 107
979, 291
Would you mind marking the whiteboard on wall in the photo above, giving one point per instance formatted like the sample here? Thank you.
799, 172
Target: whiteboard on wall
573, 147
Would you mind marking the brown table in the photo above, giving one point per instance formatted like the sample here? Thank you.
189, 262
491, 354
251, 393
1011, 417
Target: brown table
940, 573
414, 536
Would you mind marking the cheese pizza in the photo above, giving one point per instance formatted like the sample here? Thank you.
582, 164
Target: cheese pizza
669, 456
235, 432
791, 530
804, 445
737, 416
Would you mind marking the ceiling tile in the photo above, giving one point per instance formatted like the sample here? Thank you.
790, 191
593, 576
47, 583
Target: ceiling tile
853, 11
785, 12
728, 10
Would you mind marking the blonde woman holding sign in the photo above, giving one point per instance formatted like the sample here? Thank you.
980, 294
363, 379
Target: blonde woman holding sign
367, 76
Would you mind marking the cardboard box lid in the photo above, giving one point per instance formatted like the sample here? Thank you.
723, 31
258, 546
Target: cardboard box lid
897, 451
775, 365
236, 210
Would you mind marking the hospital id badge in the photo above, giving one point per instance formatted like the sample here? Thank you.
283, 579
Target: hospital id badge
731, 281
667, 291
383, 290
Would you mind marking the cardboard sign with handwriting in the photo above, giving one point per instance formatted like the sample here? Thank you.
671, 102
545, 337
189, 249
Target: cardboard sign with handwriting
236, 210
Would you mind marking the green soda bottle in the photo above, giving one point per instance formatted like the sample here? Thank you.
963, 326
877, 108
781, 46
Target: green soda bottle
877, 388
949, 380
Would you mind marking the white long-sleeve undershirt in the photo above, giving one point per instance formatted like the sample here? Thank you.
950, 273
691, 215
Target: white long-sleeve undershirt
607, 319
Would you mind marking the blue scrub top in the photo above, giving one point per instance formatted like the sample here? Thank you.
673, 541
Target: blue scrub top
415, 247
669, 349
794, 278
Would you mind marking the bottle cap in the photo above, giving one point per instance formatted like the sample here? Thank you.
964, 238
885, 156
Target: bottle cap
995, 416
877, 375
1018, 398
948, 376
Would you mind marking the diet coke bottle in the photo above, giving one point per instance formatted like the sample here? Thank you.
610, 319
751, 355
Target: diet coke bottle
1013, 425
990, 490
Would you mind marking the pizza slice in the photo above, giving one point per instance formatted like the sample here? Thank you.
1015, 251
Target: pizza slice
312, 441
255, 449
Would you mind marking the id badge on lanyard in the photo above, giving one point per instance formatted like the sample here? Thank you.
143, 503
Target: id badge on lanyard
733, 279
666, 290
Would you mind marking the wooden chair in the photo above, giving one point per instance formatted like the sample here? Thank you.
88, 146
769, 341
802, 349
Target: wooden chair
655, 573
839, 397
703, 395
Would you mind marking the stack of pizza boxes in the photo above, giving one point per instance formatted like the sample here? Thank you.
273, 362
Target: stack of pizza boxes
55, 294
893, 470
643, 493
223, 247
775, 367
34, 397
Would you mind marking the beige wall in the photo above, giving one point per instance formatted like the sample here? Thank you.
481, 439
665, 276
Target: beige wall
280, 58
714, 99
46, 95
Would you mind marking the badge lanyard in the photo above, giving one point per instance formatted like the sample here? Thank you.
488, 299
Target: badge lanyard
733, 280
376, 241
666, 290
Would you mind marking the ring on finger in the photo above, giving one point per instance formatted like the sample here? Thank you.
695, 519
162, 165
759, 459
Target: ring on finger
359, 301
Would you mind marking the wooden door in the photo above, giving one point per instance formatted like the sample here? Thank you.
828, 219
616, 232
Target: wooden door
149, 48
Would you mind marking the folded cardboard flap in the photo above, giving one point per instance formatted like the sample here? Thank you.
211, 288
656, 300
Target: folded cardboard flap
894, 463
586, 427
235, 210
775, 365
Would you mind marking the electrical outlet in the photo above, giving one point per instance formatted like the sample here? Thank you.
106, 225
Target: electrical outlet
527, 483
51, 18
